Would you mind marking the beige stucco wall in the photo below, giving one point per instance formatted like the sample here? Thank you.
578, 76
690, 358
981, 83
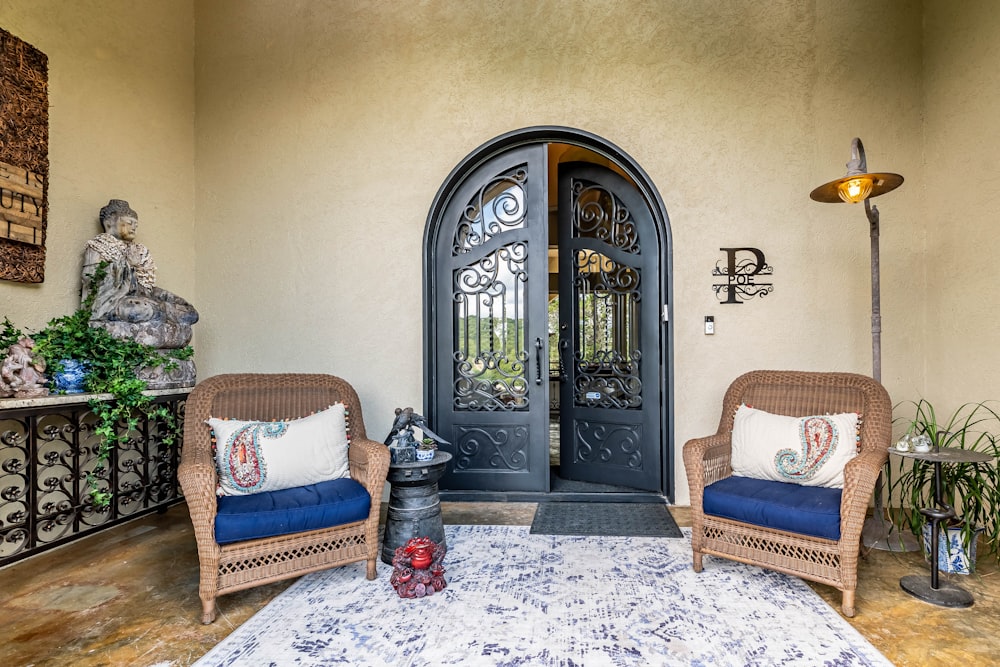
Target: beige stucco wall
283, 156
961, 102
121, 125
324, 131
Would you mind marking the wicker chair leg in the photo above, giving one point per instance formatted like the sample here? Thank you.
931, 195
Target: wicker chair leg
371, 568
697, 561
847, 605
208, 611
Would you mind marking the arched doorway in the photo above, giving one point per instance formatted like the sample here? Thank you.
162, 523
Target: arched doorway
546, 317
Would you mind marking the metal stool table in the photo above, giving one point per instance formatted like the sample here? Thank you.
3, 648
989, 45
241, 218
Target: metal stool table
414, 505
942, 594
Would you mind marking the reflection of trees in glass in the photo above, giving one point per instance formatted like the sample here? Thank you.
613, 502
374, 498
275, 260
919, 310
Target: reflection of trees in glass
490, 348
492, 360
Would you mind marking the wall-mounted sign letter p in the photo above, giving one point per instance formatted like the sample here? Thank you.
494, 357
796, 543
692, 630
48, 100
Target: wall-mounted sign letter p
743, 265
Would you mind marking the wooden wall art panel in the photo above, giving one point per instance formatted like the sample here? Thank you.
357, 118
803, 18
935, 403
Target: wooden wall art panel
24, 159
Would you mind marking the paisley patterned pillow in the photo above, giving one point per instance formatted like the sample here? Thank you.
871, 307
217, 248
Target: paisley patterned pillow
811, 451
253, 457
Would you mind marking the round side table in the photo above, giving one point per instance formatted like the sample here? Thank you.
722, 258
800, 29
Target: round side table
414, 505
943, 594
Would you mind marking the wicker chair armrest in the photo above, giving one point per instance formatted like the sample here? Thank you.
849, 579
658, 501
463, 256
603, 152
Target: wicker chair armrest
198, 480
369, 462
706, 460
860, 474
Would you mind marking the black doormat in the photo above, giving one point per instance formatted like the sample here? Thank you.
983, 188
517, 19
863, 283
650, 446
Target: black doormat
618, 519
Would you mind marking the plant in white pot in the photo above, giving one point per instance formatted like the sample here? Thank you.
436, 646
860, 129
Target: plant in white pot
972, 489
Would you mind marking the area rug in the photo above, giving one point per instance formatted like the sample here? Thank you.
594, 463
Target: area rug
517, 599
621, 519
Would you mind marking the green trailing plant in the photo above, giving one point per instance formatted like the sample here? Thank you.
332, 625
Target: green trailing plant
973, 489
111, 365
9, 335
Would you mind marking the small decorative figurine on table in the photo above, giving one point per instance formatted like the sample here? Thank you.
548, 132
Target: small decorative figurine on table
417, 570
403, 445
405, 420
21, 372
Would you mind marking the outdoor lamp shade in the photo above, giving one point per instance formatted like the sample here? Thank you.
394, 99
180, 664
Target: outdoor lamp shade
858, 185
855, 188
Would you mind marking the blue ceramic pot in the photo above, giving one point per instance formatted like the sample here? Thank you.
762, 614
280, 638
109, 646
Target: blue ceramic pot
71, 378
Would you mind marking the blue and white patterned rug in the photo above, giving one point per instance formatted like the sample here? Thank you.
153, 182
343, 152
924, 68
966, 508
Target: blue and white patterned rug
517, 599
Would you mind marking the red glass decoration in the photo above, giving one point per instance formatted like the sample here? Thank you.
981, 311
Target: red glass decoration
417, 569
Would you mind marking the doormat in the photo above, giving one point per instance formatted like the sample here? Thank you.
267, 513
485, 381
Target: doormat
612, 519
552, 601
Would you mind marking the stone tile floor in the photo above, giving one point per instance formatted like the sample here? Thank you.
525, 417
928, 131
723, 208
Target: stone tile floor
129, 596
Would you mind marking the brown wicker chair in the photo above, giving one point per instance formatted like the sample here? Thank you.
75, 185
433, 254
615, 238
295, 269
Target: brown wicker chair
264, 397
797, 394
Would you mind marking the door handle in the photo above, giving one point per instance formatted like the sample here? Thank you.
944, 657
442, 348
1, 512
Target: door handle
563, 346
538, 360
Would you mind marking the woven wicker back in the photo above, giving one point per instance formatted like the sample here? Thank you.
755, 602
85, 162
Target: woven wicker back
801, 393
264, 397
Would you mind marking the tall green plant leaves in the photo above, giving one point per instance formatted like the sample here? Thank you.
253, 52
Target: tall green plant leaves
973, 489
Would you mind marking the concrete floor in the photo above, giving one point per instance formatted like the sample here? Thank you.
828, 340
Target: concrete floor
129, 596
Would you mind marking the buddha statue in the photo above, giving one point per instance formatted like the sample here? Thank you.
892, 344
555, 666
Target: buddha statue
127, 302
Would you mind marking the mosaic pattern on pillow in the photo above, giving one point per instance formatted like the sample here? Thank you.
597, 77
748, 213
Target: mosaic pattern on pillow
811, 451
256, 457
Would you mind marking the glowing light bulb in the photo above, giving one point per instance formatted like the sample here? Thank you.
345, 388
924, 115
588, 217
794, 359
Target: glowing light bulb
855, 190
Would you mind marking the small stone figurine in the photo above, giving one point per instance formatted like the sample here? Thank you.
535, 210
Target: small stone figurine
21, 374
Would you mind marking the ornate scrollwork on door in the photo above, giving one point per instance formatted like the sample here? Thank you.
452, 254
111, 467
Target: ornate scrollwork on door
491, 448
497, 207
599, 214
491, 353
608, 355
614, 444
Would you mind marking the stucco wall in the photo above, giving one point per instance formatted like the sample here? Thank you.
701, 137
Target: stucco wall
324, 131
962, 174
121, 125
284, 166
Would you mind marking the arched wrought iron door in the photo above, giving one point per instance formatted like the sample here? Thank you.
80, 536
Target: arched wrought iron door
609, 328
490, 317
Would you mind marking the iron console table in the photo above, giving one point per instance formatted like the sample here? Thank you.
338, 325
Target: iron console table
47, 450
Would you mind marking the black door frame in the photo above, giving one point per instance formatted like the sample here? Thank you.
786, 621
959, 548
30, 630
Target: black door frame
549, 134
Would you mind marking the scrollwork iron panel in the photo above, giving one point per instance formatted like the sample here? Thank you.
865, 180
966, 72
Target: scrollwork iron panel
492, 448
607, 357
48, 452
498, 206
491, 356
609, 332
489, 286
608, 443
600, 215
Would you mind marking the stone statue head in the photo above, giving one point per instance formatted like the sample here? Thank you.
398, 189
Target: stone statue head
118, 219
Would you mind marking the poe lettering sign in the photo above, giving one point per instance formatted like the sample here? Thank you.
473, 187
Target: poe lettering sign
743, 269
24, 160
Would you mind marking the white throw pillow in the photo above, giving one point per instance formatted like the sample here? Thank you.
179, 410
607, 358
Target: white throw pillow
253, 457
811, 451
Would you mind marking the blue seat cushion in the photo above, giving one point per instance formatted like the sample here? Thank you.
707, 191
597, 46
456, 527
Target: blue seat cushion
806, 510
294, 510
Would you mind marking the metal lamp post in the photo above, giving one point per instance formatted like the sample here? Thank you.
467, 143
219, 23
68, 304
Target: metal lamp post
857, 186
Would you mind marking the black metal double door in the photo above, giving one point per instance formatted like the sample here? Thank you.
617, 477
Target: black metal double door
491, 290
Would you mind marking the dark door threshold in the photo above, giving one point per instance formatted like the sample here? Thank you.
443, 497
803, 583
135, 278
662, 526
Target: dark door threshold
551, 497
560, 490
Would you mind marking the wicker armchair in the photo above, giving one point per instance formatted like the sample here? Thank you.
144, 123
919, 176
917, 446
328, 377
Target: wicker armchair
231, 567
797, 394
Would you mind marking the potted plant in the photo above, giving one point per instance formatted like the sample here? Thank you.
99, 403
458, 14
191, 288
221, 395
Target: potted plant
111, 365
972, 489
